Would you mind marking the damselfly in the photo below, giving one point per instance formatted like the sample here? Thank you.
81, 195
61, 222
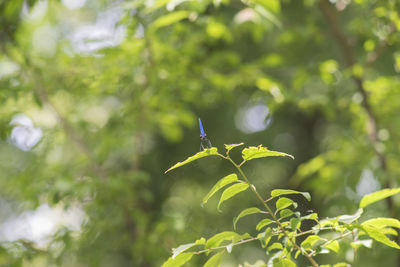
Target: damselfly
204, 142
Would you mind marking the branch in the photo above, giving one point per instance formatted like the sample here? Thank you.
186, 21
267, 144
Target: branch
41, 92
383, 44
69, 131
330, 15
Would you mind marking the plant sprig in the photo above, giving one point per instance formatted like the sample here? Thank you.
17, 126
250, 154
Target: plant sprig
281, 224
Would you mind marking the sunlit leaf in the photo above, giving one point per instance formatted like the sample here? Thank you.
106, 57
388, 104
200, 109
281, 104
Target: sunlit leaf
297, 254
310, 241
254, 152
214, 261
283, 262
312, 216
179, 260
268, 10
384, 225
341, 264
231, 178
329, 222
272, 5
232, 191
230, 147
275, 246
207, 152
158, 4
217, 239
285, 213
350, 218
245, 212
283, 202
278, 192
295, 223
378, 195
376, 234
263, 223
181, 248
365, 242
382, 222
376, 228
334, 246
170, 18
267, 235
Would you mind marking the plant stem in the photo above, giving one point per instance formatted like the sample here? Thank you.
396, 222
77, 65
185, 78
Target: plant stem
313, 231
233, 244
309, 257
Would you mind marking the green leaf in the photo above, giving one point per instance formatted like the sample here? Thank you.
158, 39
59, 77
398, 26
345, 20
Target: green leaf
230, 147
312, 216
221, 183
181, 248
297, 254
329, 222
382, 222
201, 241
334, 246
272, 5
377, 228
275, 246
376, 234
170, 18
261, 152
232, 191
243, 236
263, 223
283, 262
364, 242
295, 223
285, 213
217, 239
268, 15
214, 261
207, 152
283, 202
378, 195
158, 4
179, 260
245, 212
310, 241
278, 192
350, 218
267, 237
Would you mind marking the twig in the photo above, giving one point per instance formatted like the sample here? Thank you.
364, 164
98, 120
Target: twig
232, 244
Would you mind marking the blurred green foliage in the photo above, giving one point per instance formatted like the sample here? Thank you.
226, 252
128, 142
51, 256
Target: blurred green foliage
116, 88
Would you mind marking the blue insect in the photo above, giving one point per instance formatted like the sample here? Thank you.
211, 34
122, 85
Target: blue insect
204, 142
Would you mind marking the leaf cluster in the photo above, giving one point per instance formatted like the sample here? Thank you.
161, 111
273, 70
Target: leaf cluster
280, 225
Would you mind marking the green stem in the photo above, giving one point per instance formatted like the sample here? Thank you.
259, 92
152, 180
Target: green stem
232, 244
314, 231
